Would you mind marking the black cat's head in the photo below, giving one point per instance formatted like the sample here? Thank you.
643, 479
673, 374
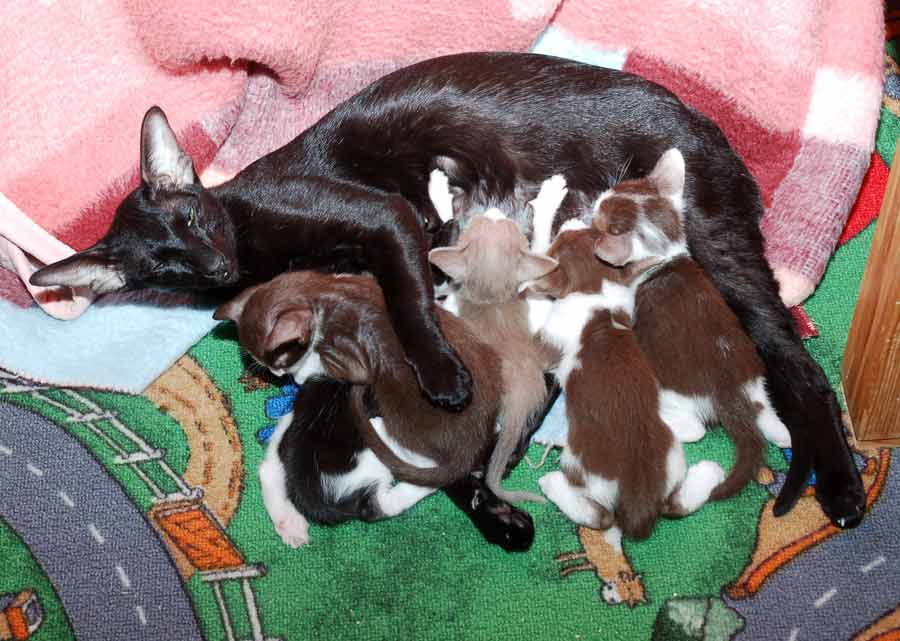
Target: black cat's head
169, 233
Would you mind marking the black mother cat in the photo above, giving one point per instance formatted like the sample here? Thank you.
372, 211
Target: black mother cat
351, 193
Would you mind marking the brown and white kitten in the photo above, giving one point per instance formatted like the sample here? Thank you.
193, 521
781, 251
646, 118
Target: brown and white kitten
308, 325
488, 265
621, 464
708, 367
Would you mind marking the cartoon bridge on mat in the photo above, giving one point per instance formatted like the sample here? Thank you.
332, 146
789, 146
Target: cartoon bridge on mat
178, 512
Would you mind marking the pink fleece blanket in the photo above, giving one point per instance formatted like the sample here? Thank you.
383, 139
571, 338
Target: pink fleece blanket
794, 84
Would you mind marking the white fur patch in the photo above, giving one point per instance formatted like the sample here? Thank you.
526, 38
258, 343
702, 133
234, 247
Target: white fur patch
538, 312
395, 500
451, 303
563, 327
439, 193
686, 416
613, 536
571, 501
570, 314
369, 470
767, 421
699, 482
308, 366
602, 491
573, 224
413, 458
616, 296
291, 526
545, 205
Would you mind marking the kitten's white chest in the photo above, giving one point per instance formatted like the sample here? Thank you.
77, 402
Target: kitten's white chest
563, 328
308, 366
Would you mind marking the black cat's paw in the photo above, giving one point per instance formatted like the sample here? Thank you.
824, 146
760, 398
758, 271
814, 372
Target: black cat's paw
795, 481
842, 496
839, 489
502, 524
447, 384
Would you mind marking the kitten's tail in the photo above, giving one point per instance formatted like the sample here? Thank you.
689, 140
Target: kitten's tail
739, 421
519, 403
637, 517
427, 476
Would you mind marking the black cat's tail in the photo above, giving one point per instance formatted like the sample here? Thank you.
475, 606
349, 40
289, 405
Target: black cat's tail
739, 421
426, 476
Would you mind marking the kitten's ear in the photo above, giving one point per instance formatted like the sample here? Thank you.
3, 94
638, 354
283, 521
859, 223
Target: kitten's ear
345, 360
94, 268
533, 266
163, 163
233, 309
450, 260
292, 326
555, 284
668, 174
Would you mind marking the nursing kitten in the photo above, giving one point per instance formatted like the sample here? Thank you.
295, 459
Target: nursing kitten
707, 366
312, 325
488, 265
621, 464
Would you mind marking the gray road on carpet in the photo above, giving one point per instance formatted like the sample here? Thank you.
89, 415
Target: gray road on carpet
837, 588
111, 571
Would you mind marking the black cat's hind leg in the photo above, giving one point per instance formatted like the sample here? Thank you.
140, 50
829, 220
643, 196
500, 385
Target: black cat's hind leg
728, 245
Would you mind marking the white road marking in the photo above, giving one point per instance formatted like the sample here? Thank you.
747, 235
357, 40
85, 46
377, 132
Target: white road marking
126, 582
5, 450
868, 567
794, 634
65, 499
141, 616
825, 598
34, 469
96, 534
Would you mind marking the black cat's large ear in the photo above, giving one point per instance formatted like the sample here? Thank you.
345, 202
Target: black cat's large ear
92, 268
164, 164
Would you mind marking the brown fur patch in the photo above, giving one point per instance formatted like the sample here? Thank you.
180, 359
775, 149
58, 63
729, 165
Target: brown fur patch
618, 215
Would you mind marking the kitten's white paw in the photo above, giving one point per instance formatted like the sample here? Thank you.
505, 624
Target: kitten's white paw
551, 484
292, 528
553, 191
699, 482
687, 430
439, 192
